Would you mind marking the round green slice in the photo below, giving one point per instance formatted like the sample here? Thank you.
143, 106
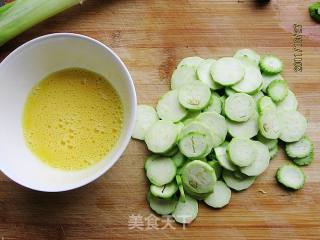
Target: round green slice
291, 176
252, 80
304, 161
248, 55
183, 75
270, 64
165, 191
261, 163
186, 211
223, 158
288, 103
198, 177
161, 170
146, 117
267, 79
169, 108
299, 149
227, 71
162, 206
217, 125
239, 107
194, 145
191, 193
241, 151
270, 125
220, 196
293, 126
235, 183
197, 127
246, 129
204, 74
193, 62
149, 160
278, 90
265, 103
161, 136
194, 96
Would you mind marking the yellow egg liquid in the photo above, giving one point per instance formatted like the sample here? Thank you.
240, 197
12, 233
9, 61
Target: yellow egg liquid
72, 119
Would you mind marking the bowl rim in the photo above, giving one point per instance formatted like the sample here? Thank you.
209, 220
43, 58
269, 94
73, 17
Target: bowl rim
127, 136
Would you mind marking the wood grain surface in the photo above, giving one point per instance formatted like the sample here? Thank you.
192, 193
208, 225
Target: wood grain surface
152, 37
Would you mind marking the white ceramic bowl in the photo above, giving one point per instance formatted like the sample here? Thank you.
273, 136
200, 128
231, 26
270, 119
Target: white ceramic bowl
20, 71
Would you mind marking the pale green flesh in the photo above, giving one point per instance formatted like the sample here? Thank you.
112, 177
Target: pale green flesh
252, 80
186, 211
267, 79
161, 136
193, 62
246, 129
223, 158
261, 161
277, 90
216, 123
299, 149
165, 191
270, 125
215, 104
293, 124
197, 127
288, 103
241, 152
265, 104
194, 145
146, 117
248, 55
169, 108
291, 176
161, 171
270, 64
236, 183
194, 96
227, 71
239, 107
204, 74
220, 197
162, 206
198, 177
183, 75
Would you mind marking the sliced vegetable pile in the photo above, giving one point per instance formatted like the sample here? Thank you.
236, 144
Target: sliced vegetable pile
217, 129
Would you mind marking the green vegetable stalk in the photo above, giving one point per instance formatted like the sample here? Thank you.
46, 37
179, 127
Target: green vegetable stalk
314, 10
5, 7
20, 15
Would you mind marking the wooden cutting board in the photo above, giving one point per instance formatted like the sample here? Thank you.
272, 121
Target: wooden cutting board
152, 37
